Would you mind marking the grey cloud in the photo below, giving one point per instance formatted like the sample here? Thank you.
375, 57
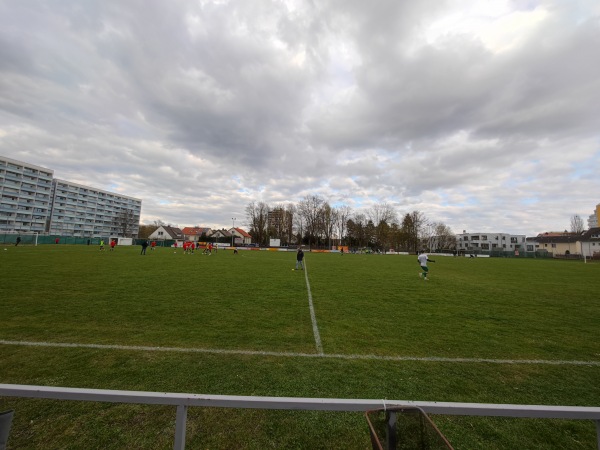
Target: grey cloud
202, 107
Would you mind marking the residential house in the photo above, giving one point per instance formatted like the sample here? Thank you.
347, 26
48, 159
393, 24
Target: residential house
221, 235
585, 244
165, 232
590, 243
195, 233
240, 236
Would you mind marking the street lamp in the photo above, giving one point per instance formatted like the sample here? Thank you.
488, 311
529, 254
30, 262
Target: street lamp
233, 219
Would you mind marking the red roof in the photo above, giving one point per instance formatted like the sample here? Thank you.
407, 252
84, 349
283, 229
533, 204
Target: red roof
242, 232
194, 231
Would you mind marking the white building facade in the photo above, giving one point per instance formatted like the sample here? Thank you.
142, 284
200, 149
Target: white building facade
32, 200
594, 219
489, 242
25, 196
84, 211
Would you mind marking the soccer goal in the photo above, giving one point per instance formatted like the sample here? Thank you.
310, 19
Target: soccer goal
25, 238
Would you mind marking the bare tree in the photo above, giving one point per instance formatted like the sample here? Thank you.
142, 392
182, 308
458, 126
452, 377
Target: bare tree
382, 215
125, 223
298, 226
381, 212
442, 237
577, 225
281, 222
413, 229
360, 230
288, 223
310, 210
329, 218
343, 213
145, 231
258, 215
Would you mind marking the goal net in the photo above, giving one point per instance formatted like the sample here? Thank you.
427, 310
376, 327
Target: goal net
27, 238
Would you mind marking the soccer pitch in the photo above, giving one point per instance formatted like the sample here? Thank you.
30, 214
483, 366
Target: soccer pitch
485, 330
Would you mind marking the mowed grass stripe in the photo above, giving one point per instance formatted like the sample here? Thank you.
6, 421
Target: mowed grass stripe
298, 355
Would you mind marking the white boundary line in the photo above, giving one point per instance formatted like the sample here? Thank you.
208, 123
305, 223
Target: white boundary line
313, 316
302, 355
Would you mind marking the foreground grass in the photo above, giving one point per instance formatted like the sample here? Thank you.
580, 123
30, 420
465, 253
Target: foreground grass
365, 305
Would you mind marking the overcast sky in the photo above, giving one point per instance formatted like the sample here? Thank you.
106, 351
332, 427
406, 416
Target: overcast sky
484, 115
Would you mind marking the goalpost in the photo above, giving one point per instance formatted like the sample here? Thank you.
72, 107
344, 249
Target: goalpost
27, 238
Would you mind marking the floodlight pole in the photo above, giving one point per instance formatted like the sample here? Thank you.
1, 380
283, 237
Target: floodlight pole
233, 231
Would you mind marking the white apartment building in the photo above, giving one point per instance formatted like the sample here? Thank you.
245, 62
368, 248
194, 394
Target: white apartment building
594, 219
25, 196
32, 200
83, 211
486, 242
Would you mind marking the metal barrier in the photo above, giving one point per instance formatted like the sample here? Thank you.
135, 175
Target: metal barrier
184, 401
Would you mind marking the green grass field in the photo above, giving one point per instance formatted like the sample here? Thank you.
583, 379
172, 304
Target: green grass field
368, 308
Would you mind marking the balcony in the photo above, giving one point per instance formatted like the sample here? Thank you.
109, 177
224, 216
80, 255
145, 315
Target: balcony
12, 176
11, 183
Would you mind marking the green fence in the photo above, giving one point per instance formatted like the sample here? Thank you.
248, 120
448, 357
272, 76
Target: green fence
30, 239
508, 254
25, 239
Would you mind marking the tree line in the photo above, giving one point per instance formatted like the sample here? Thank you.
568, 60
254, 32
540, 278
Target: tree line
315, 223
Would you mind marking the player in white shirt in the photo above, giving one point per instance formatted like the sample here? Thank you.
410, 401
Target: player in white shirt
423, 260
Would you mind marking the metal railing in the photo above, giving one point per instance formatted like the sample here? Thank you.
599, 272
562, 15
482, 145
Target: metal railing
184, 401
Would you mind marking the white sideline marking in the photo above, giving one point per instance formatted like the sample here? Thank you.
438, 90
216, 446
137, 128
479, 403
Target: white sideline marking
302, 355
313, 317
